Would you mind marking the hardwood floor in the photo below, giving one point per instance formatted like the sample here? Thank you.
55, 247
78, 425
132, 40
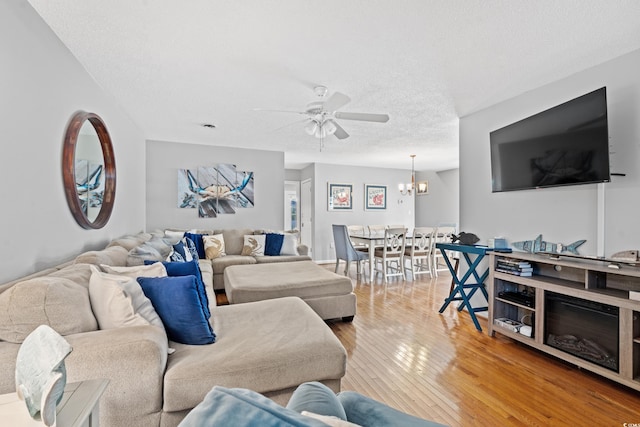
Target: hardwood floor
438, 366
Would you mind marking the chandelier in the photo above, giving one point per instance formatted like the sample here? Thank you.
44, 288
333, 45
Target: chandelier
407, 189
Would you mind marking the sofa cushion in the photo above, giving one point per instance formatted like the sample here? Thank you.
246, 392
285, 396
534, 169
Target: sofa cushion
240, 407
214, 246
118, 301
196, 238
140, 254
184, 250
273, 244
191, 268
130, 241
177, 301
234, 239
253, 245
248, 353
79, 273
54, 301
173, 236
282, 258
162, 245
219, 264
317, 398
289, 244
113, 255
156, 269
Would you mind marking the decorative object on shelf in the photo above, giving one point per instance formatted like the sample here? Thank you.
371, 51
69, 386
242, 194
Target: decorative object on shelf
375, 197
630, 256
539, 245
407, 189
215, 190
498, 243
465, 238
89, 170
422, 188
40, 372
340, 197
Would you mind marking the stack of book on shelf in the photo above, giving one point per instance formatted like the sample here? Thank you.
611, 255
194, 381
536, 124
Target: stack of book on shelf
514, 266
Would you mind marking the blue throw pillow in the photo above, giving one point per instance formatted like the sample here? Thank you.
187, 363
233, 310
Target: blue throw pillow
190, 268
177, 302
178, 254
273, 244
198, 242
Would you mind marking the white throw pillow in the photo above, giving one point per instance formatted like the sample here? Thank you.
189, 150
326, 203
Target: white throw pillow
173, 236
118, 301
156, 269
289, 245
254, 245
331, 421
214, 246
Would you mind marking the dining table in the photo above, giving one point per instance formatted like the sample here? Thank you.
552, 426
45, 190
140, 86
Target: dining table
372, 241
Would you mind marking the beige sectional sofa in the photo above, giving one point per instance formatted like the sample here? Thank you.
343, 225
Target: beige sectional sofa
268, 346
234, 240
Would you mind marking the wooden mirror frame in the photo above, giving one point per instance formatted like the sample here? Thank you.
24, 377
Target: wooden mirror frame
69, 170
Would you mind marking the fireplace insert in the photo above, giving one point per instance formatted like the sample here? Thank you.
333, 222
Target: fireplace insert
586, 329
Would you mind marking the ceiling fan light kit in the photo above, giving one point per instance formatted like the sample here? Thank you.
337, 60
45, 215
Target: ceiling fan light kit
322, 115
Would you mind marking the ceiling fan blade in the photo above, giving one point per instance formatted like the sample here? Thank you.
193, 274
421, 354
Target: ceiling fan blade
335, 101
280, 111
365, 117
340, 133
289, 124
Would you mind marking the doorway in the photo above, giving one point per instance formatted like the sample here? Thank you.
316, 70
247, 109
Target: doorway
306, 216
291, 205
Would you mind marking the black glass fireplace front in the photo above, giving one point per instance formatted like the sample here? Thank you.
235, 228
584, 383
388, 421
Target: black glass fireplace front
585, 329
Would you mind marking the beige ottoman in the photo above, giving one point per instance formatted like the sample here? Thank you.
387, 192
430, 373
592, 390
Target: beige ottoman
328, 294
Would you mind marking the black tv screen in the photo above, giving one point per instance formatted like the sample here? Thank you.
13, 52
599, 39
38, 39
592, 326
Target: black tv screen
564, 145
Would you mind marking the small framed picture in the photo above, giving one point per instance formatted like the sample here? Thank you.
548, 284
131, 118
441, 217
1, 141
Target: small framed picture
422, 188
340, 197
375, 197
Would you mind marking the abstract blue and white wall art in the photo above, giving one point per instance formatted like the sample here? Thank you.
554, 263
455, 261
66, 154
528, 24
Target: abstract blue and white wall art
215, 190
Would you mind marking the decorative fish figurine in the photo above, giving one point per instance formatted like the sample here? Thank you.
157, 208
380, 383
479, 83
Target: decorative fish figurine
539, 245
465, 238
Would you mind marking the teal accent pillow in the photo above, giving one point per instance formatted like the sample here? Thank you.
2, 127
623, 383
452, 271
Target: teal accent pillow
316, 397
177, 302
273, 244
239, 407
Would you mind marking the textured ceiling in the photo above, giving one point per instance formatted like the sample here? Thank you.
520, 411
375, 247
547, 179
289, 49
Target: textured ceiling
174, 65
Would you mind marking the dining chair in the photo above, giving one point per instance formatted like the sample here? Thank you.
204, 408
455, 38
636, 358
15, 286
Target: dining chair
345, 250
391, 255
358, 230
441, 235
418, 253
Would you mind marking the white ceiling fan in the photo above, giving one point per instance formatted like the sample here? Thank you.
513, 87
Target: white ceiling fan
321, 115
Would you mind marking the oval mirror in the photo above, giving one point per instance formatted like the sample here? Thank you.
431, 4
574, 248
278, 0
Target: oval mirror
89, 170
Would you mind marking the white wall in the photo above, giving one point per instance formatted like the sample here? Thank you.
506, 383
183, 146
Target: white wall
42, 85
165, 158
441, 205
396, 213
562, 214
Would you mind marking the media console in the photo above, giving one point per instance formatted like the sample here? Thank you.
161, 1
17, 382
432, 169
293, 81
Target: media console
576, 309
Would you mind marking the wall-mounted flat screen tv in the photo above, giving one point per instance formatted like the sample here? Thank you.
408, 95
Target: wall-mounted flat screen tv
564, 145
